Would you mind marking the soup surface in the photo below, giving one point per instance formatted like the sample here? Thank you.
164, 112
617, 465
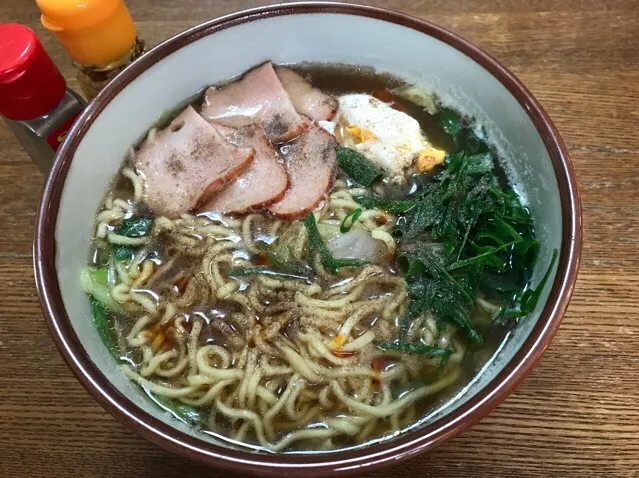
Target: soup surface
309, 259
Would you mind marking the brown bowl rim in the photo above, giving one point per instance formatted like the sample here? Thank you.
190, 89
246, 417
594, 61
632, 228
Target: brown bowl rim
407, 444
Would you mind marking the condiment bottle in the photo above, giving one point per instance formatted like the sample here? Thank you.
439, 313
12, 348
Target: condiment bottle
99, 36
34, 99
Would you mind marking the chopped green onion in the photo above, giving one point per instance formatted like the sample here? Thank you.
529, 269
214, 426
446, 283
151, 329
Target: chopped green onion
350, 220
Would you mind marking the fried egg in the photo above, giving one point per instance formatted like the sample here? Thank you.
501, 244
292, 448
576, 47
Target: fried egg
389, 138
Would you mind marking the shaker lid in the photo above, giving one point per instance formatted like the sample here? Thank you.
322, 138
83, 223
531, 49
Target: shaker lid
93, 32
30, 84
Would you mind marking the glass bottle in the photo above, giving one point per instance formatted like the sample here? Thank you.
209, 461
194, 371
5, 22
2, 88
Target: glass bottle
99, 36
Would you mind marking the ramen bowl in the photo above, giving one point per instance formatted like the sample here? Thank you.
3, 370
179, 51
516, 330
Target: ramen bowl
416, 51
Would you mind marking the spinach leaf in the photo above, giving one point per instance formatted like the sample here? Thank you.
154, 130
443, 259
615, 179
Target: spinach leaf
106, 333
266, 270
100, 291
391, 205
135, 226
282, 263
531, 296
464, 233
483, 256
432, 288
357, 166
450, 122
285, 261
131, 227
100, 276
318, 248
123, 253
415, 348
526, 302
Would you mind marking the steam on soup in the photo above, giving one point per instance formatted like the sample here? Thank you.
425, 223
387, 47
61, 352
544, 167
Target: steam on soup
298, 268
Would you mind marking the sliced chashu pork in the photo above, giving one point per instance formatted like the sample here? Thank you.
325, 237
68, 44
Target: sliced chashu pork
186, 162
311, 163
263, 183
258, 97
308, 101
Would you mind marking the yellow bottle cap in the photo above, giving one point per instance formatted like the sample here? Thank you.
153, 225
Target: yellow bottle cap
93, 32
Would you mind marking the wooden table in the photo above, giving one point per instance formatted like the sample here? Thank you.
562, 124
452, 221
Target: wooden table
576, 415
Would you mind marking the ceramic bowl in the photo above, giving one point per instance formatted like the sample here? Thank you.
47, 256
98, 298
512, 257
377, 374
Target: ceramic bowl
463, 75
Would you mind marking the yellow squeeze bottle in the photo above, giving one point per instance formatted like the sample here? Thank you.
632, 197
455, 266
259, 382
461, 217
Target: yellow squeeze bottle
99, 35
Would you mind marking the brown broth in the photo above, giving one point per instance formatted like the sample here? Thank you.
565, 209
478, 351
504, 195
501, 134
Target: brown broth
336, 80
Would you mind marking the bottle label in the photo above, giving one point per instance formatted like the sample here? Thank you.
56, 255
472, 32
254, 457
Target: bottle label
56, 137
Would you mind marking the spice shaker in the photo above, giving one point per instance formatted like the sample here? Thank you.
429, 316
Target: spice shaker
98, 35
35, 102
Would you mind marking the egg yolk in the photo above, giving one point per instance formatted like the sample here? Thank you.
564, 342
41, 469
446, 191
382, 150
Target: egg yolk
428, 158
359, 135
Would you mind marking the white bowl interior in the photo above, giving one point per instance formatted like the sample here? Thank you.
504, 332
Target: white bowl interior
387, 47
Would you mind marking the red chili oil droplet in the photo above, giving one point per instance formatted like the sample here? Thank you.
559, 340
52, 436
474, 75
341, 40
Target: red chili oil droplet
261, 259
378, 363
181, 284
381, 220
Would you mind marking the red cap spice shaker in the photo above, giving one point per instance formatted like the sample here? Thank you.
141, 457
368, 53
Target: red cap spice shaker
34, 99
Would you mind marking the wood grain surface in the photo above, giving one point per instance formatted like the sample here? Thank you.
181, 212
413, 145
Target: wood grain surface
576, 415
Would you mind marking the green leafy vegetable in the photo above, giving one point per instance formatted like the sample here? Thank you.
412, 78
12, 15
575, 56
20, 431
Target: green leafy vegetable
248, 271
99, 291
123, 253
415, 348
318, 248
106, 333
135, 227
450, 122
350, 219
528, 301
483, 256
393, 206
100, 276
433, 288
531, 296
283, 263
131, 227
357, 166
265, 270
464, 233
182, 411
